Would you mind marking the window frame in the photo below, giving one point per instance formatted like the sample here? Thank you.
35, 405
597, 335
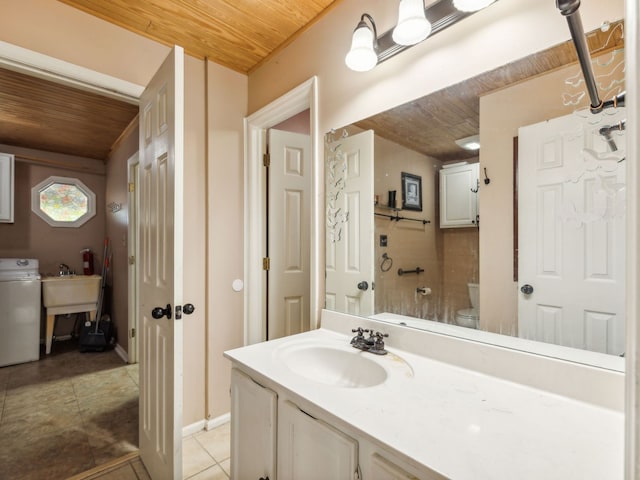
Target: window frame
91, 201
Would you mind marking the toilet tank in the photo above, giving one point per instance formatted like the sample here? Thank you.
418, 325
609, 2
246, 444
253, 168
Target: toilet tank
474, 294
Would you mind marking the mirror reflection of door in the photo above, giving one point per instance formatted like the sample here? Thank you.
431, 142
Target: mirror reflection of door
288, 237
572, 237
349, 225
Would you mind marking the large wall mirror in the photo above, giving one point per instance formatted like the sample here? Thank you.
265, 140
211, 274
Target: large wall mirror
523, 238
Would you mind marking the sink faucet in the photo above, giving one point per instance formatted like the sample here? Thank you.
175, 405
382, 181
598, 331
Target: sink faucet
373, 344
64, 270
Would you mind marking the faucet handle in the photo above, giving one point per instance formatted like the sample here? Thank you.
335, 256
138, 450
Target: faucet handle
360, 331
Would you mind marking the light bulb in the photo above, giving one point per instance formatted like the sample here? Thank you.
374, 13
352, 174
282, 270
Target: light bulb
362, 57
471, 5
413, 26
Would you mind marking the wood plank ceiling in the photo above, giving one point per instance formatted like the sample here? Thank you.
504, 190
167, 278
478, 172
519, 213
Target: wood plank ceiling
238, 34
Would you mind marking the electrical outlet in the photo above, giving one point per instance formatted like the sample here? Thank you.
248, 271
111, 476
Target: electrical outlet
383, 240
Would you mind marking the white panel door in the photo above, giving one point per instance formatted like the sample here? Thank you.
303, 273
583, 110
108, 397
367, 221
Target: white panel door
289, 231
253, 429
572, 234
350, 226
160, 276
309, 449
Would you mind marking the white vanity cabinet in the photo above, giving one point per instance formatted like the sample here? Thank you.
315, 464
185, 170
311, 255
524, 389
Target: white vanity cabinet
459, 196
270, 429
6, 187
253, 429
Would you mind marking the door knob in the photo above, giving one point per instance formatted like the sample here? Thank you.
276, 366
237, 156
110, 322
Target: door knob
188, 309
526, 289
363, 286
160, 312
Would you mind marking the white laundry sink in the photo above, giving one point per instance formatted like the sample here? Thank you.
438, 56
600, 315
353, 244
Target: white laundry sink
71, 290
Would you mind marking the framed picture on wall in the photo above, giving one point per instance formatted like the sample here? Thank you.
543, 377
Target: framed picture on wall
411, 192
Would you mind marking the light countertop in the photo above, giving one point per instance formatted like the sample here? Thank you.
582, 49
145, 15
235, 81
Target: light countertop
462, 424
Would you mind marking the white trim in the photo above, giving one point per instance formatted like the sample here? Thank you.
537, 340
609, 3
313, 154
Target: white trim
218, 421
193, 428
303, 97
49, 68
133, 251
632, 103
207, 425
121, 353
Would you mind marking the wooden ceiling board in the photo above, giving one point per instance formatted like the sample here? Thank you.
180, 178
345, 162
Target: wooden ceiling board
43, 115
238, 34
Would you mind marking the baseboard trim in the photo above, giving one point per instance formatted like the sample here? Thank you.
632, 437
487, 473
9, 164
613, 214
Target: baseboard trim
216, 422
193, 428
122, 353
205, 425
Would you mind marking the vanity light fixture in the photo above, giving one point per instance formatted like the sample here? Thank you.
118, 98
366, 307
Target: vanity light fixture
415, 23
363, 57
471, 5
413, 26
469, 143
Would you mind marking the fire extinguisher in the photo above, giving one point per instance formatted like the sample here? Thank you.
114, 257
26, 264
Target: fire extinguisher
87, 261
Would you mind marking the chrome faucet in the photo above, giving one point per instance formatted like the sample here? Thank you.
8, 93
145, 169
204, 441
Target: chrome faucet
64, 270
373, 344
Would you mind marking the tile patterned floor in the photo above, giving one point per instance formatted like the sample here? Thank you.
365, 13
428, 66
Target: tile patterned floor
66, 413
71, 412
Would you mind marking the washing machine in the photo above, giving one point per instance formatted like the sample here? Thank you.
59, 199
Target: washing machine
19, 311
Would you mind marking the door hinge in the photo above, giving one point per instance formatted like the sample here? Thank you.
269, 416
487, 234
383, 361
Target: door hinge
132, 260
266, 263
266, 160
133, 333
132, 187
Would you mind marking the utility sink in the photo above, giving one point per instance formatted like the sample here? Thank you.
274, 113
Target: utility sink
68, 294
332, 364
70, 290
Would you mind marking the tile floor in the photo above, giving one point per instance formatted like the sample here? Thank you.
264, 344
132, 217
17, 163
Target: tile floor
72, 411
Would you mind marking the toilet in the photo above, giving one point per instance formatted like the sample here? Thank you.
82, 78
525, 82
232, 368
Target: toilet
468, 317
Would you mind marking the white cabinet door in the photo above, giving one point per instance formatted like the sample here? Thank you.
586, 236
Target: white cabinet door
6, 187
310, 449
253, 429
383, 469
459, 196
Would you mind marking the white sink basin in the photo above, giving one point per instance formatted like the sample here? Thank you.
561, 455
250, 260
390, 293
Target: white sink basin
332, 365
70, 290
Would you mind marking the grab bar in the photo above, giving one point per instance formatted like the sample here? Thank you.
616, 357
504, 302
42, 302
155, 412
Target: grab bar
416, 270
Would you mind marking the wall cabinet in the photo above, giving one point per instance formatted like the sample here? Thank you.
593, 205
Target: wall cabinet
7, 166
270, 430
459, 196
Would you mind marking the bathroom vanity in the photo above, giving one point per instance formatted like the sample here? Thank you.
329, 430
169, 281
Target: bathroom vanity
311, 406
